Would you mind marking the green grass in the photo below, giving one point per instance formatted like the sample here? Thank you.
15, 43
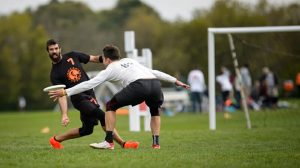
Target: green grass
186, 141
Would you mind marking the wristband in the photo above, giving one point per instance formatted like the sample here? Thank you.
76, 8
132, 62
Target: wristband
100, 59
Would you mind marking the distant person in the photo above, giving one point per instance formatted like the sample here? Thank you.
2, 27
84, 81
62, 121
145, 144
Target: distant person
237, 92
140, 84
246, 79
197, 83
227, 91
22, 103
67, 70
246, 83
226, 86
269, 87
255, 92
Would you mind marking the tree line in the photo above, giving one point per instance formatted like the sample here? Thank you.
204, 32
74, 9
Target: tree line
176, 46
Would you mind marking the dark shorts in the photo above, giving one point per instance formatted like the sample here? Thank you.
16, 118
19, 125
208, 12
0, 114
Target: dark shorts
148, 90
225, 95
88, 108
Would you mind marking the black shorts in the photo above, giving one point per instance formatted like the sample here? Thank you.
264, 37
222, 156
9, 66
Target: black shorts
87, 108
148, 90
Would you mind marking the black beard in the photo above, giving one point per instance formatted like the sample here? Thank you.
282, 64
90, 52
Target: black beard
56, 59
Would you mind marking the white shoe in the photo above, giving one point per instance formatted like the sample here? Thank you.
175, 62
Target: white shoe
103, 145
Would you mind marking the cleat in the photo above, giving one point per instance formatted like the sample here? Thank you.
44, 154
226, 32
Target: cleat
103, 145
131, 144
55, 144
156, 146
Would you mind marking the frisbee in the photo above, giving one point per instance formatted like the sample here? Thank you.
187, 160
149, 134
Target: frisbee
54, 87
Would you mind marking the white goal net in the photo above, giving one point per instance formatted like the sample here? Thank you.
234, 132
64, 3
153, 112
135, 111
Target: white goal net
212, 35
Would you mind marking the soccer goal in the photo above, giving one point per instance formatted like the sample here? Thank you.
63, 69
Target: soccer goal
212, 32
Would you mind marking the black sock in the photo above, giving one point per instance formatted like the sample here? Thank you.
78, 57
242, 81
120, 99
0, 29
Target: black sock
109, 136
155, 139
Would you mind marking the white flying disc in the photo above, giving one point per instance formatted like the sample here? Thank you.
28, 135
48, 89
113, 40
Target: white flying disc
54, 87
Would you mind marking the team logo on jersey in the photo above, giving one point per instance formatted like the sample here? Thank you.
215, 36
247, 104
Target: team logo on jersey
126, 65
74, 74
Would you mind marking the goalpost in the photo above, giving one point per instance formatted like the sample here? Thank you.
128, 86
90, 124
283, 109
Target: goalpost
211, 58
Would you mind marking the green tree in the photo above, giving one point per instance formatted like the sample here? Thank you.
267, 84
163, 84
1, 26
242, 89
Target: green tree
147, 27
22, 61
9, 81
61, 19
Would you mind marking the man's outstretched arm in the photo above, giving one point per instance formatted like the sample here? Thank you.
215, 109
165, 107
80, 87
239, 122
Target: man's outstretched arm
96, 58
166, 77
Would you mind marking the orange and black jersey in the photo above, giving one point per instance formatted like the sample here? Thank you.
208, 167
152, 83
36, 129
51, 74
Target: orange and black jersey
69, 72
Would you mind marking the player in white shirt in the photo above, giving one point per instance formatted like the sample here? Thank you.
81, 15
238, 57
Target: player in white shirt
226, 86
140, 84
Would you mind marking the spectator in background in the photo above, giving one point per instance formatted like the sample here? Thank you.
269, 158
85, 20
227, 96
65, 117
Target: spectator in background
246, 83
225, 71
197, 83
226, 87
255, 92
22, 103
237, 92
246, 79
269, 88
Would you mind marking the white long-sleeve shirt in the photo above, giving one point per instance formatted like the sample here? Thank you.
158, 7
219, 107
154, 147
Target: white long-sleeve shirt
125, 71
224, 81
196, 81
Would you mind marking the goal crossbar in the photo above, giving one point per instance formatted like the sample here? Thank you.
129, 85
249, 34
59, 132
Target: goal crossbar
211, 58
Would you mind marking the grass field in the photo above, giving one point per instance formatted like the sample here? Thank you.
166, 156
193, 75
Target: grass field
186, 141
